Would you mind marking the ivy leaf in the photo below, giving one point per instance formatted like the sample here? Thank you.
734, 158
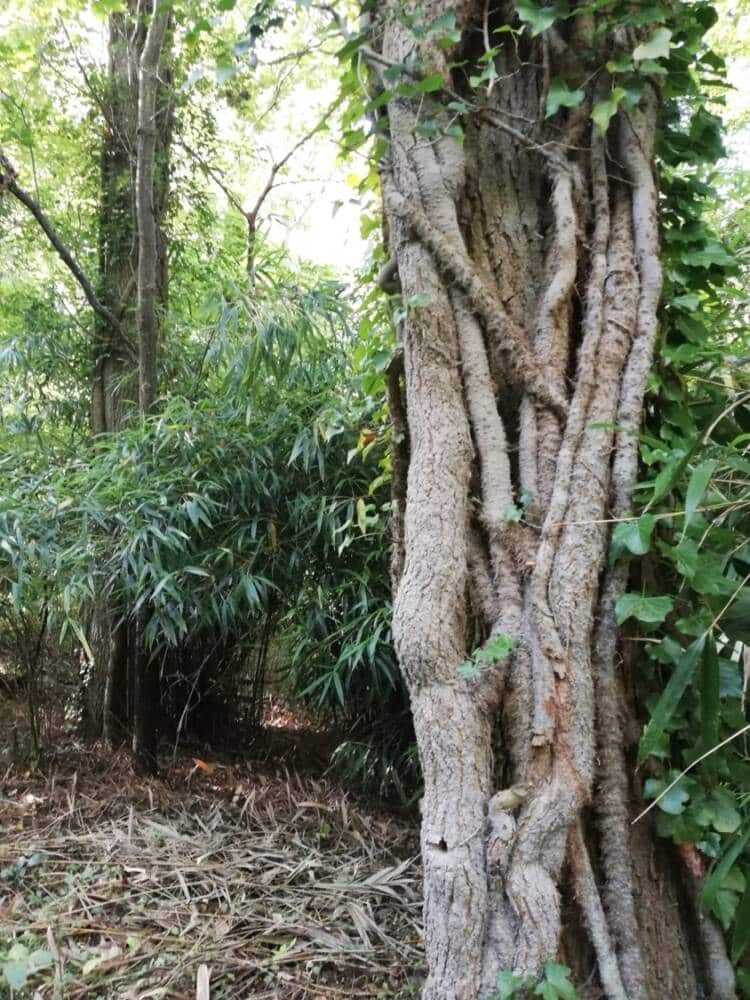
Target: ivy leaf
559, 95
649, 67
724, 816
506, 985
428, 85
651, 610
674, 802
623, 64
632, 536
670, 698
603, 112
556, 984
538, 18
712, 253
427, 130
657, 47
512, 514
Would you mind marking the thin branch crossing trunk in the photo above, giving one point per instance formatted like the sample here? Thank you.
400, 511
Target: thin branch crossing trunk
534, 249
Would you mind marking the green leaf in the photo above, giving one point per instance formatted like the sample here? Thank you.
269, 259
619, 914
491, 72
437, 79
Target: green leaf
724, 816
699, 480
556, 984
674, 801
506, 985
719, 873
103, 8
712, 253
428, 85
539, 18
652, 610
657, 47
559, 95
670, 699
624, 64
16, 973
512, 514
632, 536
710, 695
603, 112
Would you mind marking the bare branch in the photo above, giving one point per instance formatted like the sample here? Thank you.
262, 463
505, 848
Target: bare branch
8, 183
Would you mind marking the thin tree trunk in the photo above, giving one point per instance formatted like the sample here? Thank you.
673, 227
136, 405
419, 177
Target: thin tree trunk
115, 383
535, 249
151, 275
114, 725
146, 218
146, 690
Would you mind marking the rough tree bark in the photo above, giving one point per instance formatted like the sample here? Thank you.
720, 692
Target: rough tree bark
535, 245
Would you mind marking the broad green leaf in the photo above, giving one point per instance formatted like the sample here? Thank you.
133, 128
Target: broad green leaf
632, 536
556, 984
512, 513
539, 18
623, 64
651, 610
699, 480
428, 85
603, 112
670, 699
506, 985
674, 801
559, 95
712, 253
725, 818
657, 47
16, 973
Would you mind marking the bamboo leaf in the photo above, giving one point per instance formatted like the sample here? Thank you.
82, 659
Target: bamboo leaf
670, 698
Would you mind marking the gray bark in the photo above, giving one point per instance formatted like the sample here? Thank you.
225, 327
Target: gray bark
537, 251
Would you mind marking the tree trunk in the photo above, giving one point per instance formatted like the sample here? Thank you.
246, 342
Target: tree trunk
116, 381
528, 258
115, 385
146, 208
146, 692
151, 274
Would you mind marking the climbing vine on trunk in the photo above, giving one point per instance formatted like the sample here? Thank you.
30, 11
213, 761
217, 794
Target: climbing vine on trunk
517, 152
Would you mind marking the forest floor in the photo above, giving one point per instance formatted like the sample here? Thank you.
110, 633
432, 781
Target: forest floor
217, 880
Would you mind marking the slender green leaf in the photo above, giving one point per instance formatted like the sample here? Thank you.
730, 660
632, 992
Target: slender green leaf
670, 698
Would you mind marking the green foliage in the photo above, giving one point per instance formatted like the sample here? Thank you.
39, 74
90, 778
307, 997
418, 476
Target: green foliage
554, 984
494, 651
694, 561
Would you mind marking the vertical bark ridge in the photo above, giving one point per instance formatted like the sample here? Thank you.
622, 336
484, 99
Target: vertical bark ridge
535, 343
